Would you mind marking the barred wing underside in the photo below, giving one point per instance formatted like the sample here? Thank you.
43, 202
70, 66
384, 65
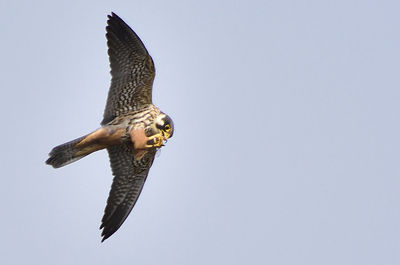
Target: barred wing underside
129, 177
132, 70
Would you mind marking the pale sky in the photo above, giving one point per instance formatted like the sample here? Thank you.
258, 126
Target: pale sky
286, 143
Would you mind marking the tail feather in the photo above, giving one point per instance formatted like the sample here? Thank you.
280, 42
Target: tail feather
65, 154
76, 149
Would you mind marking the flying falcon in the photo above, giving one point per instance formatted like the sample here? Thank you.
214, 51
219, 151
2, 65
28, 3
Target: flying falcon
132, 128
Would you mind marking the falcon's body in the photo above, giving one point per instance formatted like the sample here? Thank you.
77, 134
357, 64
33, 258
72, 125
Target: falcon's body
132, 128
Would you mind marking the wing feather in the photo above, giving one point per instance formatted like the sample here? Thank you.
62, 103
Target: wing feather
132, 70
129, 177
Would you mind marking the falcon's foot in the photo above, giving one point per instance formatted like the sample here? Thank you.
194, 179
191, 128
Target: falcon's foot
156, 140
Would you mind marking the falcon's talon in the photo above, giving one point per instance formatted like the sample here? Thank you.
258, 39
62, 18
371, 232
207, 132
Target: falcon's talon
155, 141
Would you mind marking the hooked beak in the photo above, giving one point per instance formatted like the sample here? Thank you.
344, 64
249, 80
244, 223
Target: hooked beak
165, 136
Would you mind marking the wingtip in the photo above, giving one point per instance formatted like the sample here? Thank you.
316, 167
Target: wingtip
110, 17
113, 16
105, 235
112, 20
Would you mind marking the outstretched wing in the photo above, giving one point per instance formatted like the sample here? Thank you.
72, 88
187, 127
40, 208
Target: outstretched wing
130, 175
132, 70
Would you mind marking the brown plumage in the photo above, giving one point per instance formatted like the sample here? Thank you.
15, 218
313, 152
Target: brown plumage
132, 127
132, 70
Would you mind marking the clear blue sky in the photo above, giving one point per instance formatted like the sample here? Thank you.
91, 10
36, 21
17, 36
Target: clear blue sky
286, 149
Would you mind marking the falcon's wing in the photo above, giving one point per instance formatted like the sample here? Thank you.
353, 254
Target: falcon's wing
132, 70
130, 175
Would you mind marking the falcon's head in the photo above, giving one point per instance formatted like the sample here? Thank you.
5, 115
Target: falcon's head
161, 130
165, 125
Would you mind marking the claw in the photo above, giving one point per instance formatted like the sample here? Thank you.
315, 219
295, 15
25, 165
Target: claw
155, 141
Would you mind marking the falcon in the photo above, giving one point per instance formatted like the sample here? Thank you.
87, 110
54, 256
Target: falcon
132, 130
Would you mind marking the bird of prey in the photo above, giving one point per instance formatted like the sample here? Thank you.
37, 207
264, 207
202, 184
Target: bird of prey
132, 130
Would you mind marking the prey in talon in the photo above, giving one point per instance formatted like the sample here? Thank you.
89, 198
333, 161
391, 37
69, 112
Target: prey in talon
132, 130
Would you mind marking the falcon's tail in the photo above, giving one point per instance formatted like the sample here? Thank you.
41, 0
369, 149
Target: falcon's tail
76, 149
67, 153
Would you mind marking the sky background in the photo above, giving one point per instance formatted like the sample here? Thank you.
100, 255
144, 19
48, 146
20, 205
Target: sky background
286, 143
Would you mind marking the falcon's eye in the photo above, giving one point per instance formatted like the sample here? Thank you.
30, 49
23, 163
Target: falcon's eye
167, 128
